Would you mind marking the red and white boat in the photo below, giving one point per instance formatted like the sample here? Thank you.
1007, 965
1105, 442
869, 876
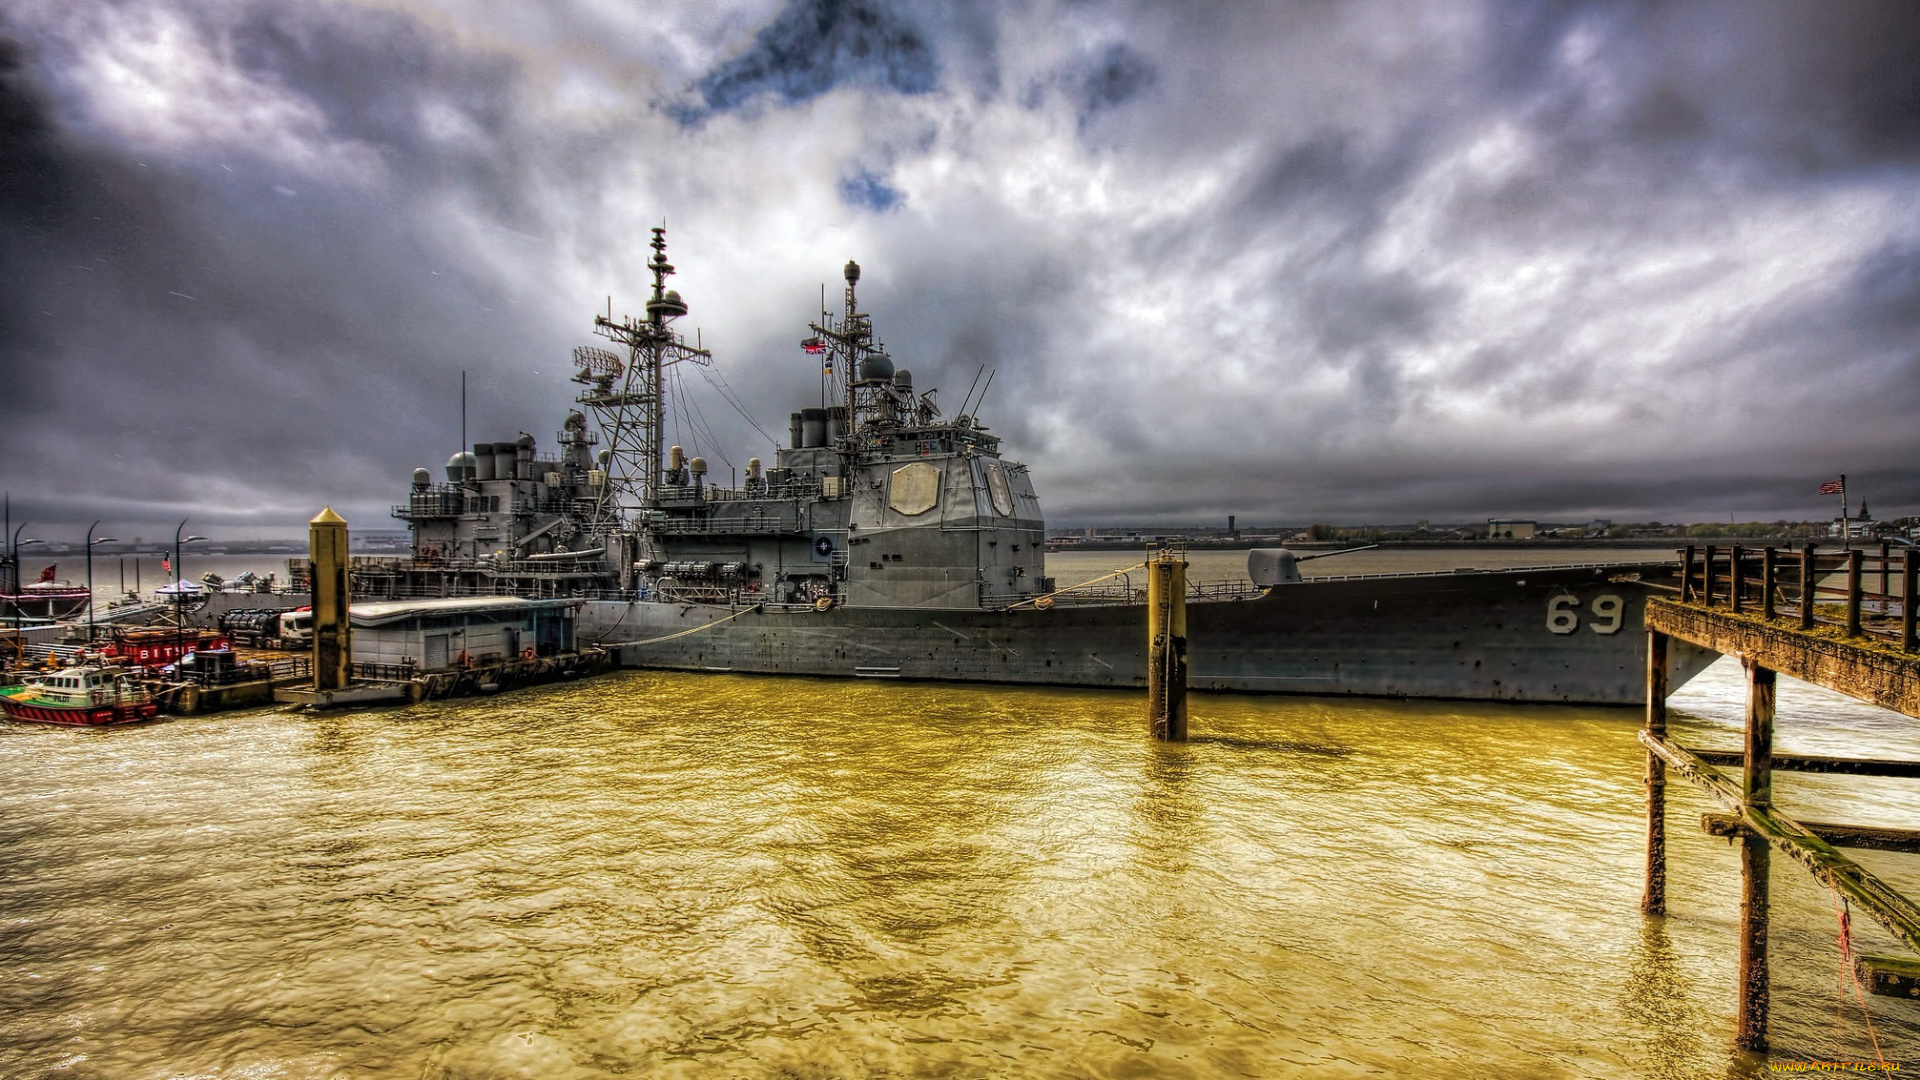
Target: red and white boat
86, 695
46, 598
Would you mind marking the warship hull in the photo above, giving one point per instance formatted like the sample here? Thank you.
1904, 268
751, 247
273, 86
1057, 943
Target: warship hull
1571, 635
889, 539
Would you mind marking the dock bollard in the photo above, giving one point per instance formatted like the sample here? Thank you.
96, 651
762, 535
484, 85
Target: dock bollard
1167, 646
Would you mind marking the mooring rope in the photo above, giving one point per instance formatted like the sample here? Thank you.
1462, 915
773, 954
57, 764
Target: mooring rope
1843, 912
681, 634
1082, 585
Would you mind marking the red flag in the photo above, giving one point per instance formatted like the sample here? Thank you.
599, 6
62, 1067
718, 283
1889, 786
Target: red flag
47, 574
166, 565
1834, 487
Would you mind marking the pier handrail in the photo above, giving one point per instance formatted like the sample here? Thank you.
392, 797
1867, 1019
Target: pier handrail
1874, 597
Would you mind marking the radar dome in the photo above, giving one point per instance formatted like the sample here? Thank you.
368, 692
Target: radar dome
669, 305
876, 367
461, 466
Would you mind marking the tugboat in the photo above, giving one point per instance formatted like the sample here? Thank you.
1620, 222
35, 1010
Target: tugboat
85, 695
888, 540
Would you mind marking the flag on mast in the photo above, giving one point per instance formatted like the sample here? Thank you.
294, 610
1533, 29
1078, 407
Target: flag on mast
1834, 487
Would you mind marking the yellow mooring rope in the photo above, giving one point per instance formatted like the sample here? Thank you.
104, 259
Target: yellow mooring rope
1082, 585
681, 634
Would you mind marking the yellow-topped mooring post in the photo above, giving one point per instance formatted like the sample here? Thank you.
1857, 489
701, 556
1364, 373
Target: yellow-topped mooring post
332, 641
1167, 646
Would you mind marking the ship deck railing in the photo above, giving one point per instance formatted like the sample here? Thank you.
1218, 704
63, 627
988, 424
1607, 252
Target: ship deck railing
772, 525
1459, 570
792, 489
1125, 592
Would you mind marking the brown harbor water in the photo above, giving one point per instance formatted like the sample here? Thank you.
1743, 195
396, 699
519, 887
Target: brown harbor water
659, 874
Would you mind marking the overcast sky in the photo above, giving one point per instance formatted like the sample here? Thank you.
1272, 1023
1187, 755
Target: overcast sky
1356, 262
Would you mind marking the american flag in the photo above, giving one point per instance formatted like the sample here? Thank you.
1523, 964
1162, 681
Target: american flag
1834, 487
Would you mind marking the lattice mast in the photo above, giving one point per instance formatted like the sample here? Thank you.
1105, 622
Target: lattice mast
633, 417
848, 344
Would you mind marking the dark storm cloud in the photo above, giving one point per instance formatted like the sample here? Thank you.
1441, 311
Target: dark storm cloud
1817, 87
31, 180
221, 322
34, 185
1296, 261
1104, 79
812, 46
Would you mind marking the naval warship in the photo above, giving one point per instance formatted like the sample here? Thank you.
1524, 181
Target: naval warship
888, 540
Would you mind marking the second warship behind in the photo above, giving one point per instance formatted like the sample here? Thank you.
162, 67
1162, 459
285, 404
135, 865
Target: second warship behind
890, 541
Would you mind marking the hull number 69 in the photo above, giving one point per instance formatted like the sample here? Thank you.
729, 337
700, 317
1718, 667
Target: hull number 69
1608, 614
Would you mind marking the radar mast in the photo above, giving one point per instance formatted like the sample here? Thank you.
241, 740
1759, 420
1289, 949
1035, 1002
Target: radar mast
633, 416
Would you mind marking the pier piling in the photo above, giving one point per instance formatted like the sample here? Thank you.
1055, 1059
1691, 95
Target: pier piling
1862, 665
332, 646
1654, 900
1809, 581
1855, 558
1756, 860
1909, 593
1167, 646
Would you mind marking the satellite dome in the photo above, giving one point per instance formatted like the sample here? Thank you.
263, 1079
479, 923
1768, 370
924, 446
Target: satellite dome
669, 305
461, 466
876, 367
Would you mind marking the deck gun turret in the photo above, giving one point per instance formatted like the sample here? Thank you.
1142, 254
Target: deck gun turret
1277, 566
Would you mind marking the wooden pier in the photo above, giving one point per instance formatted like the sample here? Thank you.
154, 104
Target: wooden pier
1778, 612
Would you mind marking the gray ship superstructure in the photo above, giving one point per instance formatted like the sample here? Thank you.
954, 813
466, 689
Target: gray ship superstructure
887, 540
879, 501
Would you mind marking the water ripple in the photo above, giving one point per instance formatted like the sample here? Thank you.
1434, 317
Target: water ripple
676, 875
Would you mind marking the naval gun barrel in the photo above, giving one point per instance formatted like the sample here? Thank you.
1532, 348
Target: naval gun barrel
1331, 554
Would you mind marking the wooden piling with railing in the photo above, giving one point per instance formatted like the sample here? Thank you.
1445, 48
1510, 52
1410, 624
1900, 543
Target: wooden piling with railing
1909, 597
1852, 590
1854, 657
1809, 578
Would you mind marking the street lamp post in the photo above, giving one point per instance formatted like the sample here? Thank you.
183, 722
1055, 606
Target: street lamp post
179, 600
14, 544
91, 541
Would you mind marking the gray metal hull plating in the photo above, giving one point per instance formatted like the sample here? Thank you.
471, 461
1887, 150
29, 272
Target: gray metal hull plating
1565, 636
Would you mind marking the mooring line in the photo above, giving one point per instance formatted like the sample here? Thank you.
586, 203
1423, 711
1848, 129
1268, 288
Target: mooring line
1082, 585
681, 634
1843, 913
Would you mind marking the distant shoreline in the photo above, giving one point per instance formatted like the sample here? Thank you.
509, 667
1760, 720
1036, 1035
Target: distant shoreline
1639, 543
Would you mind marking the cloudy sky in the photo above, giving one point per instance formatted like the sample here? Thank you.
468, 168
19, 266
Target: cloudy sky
1351, 262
